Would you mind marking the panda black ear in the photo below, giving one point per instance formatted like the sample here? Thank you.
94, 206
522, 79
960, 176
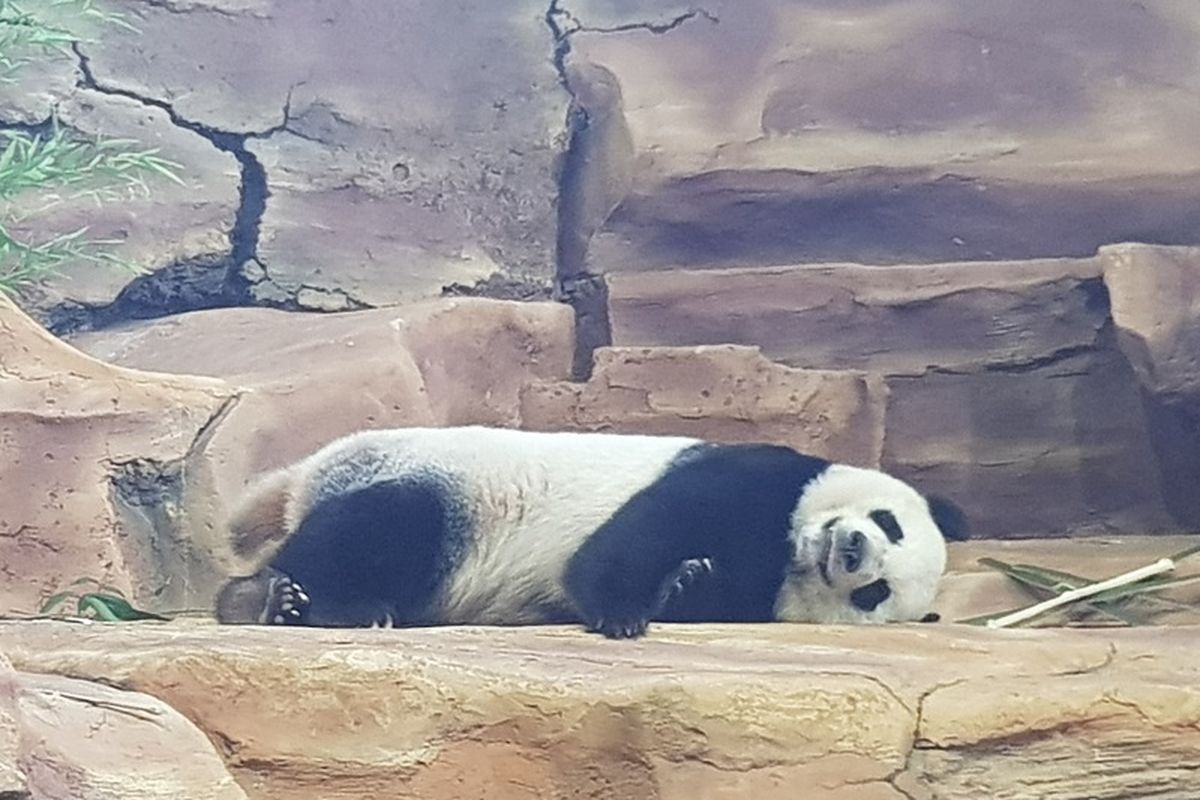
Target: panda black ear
949, 518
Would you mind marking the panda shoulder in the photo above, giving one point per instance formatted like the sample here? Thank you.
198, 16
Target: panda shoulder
272, 505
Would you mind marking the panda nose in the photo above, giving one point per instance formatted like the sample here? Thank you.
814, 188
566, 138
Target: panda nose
852, 550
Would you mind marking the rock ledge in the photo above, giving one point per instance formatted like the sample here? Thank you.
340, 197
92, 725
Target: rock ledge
920, 711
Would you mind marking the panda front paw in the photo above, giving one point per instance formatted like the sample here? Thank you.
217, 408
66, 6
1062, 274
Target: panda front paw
678, 581
626, 620
287, 602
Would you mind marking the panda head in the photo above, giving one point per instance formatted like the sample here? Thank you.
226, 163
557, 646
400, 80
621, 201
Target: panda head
867, 547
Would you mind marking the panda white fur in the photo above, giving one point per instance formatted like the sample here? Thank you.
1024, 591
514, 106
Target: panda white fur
477, 525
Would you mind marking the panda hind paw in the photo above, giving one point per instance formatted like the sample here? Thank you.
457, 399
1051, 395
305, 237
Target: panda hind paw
287, 602
678, 581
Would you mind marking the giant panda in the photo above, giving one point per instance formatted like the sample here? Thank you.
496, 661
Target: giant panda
476, 525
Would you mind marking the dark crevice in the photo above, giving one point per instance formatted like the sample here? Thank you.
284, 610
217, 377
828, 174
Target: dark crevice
654, 27
499, 286
561, 24
586, 293
39, 130
212, 281
253, 192
588, 296
1051, 359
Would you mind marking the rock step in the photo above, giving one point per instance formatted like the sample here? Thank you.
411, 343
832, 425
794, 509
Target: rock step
691, 711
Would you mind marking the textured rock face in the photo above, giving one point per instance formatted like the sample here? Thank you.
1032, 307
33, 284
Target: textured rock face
72, 430
445, 362
109, 472
64, 739
933, 711
340, 154
897, 320
772, 132
335, 154
722, 393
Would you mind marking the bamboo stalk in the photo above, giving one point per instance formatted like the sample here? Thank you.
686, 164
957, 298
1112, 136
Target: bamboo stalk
1072, 595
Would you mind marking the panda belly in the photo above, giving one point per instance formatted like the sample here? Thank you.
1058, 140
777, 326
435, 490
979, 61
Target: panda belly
528, 524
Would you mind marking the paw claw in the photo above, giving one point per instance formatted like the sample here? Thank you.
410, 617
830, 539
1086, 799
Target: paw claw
286, 604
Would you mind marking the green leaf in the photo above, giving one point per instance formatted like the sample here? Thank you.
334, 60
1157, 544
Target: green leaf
111, 608
1030, 577
1043, 582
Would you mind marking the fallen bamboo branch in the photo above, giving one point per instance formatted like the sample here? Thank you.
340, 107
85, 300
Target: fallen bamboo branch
1083, 592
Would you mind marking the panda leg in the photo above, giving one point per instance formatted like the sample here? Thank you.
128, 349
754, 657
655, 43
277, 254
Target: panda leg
626, 622
631, 568
368, 556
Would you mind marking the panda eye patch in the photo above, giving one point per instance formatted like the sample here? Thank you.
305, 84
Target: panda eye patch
869, 596
887, 523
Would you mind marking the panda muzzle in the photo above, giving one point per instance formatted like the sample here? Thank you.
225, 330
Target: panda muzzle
852, 549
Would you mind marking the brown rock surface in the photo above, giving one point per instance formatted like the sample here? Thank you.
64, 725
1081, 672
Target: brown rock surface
70, 427
447, 362
776, 132
928, 711
67, 739
719, 392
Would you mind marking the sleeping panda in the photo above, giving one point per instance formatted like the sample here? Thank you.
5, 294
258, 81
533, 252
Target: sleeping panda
473, 525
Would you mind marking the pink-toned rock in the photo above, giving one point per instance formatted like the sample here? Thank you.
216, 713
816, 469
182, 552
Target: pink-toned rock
65, 739
896, 711
305, 379
71, 426
718, 392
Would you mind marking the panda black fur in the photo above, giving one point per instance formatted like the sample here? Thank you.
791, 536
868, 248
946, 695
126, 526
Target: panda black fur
425, 526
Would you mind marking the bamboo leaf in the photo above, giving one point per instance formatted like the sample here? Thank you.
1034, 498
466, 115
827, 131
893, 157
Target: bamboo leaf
113, 609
